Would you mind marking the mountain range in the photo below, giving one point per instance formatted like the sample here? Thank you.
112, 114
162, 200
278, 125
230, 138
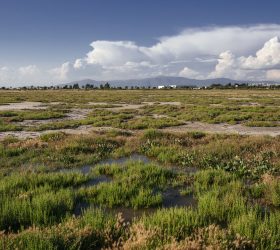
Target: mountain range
165, 80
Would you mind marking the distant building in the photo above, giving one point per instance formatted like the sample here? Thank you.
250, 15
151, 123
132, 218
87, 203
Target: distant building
167, 87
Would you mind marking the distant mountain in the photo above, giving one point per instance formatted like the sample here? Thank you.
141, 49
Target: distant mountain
162, 80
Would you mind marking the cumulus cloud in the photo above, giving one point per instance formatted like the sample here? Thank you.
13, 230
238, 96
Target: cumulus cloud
226, 66
78, 64
109, 53
5, 74
273, 74
189, 73
231, 47
266, 60
28, 70
188, 45
267, 57
61, 73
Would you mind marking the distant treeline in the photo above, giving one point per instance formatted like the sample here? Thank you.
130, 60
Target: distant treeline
108, 86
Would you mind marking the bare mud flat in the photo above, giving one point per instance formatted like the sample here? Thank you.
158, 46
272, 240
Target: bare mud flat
225, 128
141, 105
74, 114
41, 105
22, 106
26, 105
82, 130
239, 98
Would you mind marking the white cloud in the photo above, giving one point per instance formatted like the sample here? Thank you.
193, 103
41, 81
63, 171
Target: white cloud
189, 44
78, 64
5, 74
28, 70
273, 74
61, 73
263, 65
267, 57
108, 53
226, 66
189, 73
213, 41
230, 46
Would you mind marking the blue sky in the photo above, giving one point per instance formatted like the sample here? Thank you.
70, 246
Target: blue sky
64, 40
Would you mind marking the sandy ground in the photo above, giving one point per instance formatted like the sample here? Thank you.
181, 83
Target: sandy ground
23, 105
74, 114
139, 106
239, 98
26, 105
82, 130
225, 128
40, 105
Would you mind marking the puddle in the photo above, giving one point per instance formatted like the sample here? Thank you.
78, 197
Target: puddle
122, 160
171, 198
84, 170
133, 157
146, 160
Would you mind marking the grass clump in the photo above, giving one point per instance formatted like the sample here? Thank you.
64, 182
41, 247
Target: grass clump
134, 185
37, 198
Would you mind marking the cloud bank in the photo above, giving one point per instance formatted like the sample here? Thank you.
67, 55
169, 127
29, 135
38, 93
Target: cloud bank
245, 52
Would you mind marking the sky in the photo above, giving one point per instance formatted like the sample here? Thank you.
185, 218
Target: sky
56, 41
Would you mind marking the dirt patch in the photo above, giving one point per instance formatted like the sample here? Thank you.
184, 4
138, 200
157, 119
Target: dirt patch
157, 116
126, 106
99, 103
75, 114
239, 98
141, 105
26, 105
23, 105
251, 104
225, 128
82, 130
165, 103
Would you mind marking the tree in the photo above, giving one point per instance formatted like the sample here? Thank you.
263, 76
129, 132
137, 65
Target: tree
107, 86
76, 86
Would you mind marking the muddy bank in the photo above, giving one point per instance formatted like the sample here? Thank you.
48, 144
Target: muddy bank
82, 130
125, 159
225, 129
171, 198
26, 105
74, 114
141, 105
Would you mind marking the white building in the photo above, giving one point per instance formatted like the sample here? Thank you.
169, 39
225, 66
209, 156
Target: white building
167, 87
161, 87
